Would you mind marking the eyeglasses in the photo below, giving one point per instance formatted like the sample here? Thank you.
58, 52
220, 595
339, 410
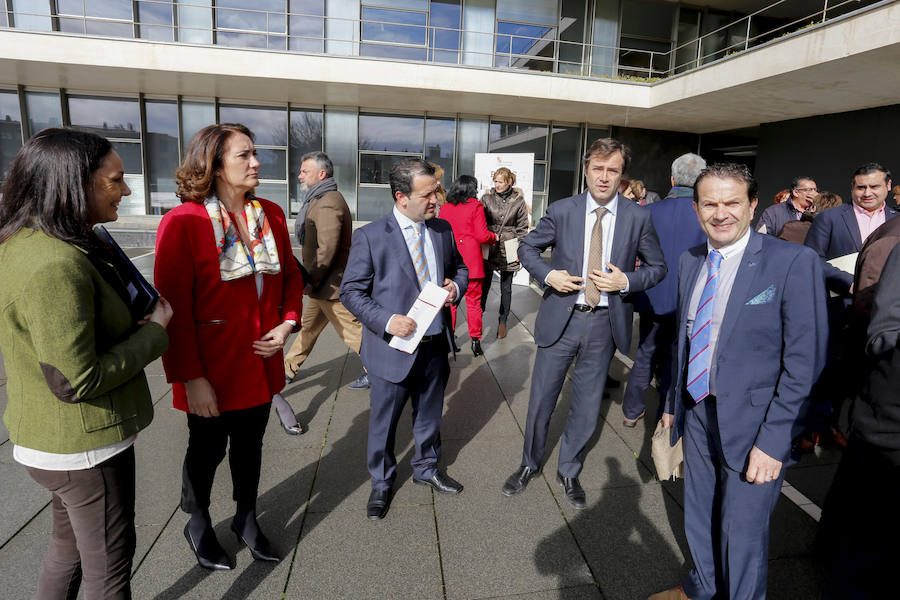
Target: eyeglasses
808, 190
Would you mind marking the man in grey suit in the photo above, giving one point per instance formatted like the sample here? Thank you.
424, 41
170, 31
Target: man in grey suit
586, 313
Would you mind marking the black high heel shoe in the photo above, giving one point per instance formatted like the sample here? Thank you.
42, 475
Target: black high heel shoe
261, 549
476, 347
209, 553
286, 415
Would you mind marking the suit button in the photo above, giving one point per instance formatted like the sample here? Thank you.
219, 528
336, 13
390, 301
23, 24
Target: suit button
569, 309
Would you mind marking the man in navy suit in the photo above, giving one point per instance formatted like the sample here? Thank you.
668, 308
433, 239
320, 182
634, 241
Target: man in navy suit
837, 232
751, 338
675, 222
596, 237
391, 260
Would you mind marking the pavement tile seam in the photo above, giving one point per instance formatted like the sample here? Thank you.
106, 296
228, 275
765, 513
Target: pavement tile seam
24, 525
159, 534
440, 555
556, 590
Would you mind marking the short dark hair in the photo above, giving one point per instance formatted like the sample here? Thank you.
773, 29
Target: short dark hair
728, 171
796, 181
605, 147
322, 161
403, 173
196, 174
49, 184
462, 188
871, 167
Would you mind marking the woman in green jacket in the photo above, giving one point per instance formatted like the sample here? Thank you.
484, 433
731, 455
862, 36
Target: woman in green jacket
75, 358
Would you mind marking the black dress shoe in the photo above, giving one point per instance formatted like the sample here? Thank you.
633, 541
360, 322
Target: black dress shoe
518, 481
574, 491
456, 347
379, 502
209, 553
441, 483
259, 547
476, 347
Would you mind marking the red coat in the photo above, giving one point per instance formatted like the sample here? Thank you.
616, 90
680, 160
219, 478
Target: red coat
470, 231
215, 322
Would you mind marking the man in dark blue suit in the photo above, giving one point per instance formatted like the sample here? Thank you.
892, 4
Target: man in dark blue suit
390, 261
676, 225
837, 232
596, 237
750, 344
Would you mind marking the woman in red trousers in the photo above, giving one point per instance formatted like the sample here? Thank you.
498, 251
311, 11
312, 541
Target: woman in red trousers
466, 215
224, 260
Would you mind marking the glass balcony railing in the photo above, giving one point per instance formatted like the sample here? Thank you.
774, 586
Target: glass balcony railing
416, 35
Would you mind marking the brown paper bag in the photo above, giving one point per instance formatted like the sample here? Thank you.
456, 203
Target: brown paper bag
669, 460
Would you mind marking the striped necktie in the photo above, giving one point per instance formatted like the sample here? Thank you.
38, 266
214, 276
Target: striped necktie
417, 252
698, 366
595, 258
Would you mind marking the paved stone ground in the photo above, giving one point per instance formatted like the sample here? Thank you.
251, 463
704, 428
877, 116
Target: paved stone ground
628, 543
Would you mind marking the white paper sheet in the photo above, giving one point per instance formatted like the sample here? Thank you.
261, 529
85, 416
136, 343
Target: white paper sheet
485, 251
512, 250
846, 263
426, 307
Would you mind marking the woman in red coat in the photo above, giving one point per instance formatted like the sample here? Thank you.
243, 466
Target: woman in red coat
223, 259
466, 215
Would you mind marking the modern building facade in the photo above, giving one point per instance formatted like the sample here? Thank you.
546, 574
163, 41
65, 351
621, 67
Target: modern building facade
373, 81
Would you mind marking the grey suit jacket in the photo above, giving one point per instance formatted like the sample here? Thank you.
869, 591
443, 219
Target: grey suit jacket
563, 229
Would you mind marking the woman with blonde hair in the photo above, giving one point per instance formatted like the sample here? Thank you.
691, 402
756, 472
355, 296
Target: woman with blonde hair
224, 259
507, 217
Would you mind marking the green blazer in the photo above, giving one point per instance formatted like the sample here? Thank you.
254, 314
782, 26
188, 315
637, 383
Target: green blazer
74, 358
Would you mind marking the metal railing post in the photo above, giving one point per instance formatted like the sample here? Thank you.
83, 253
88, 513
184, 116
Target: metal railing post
747, 39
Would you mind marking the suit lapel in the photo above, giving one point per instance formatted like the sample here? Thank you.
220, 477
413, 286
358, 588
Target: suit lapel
578, 223
395, 234
621, 233
746, 274
851, 223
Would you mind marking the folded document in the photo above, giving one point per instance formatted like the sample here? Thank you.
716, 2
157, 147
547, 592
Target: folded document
423, 311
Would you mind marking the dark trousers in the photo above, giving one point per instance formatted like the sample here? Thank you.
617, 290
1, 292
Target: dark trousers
506, 278
726, 519
93, 530
424, 387
654, 354
588, 336
242, 431
858, 533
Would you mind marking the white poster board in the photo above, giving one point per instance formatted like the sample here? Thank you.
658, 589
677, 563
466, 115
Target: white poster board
522, 165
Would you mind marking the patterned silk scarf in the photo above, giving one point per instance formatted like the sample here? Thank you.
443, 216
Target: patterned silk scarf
234, 260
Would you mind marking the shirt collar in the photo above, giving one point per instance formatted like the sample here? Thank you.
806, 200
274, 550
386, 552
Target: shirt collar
865, 213
403, 220
593, 205
733, 249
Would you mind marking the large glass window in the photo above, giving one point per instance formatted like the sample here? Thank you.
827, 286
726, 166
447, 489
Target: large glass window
161, 144
10, 130
440, 141
43, 110
341, 27
478, 36
473, 138
389, 33
605, 38
31, 15
341, 127
307, 25
565, 154
384, 140
528, 11
251, 23
519, 137
646, 37
305, 136
155, 21
572, 19
194, 117
109, 18
444, 38
119, 121
195, 21
524, 46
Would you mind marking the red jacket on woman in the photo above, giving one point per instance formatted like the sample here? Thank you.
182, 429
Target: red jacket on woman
470, 231
215, 322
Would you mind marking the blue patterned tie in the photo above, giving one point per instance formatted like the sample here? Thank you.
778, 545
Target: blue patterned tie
417, 251
698, 365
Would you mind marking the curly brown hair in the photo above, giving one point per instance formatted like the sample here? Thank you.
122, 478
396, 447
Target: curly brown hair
195, 175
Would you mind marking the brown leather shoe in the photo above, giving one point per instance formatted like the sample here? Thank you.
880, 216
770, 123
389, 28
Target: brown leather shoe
675, 593
809, 441
501, 331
